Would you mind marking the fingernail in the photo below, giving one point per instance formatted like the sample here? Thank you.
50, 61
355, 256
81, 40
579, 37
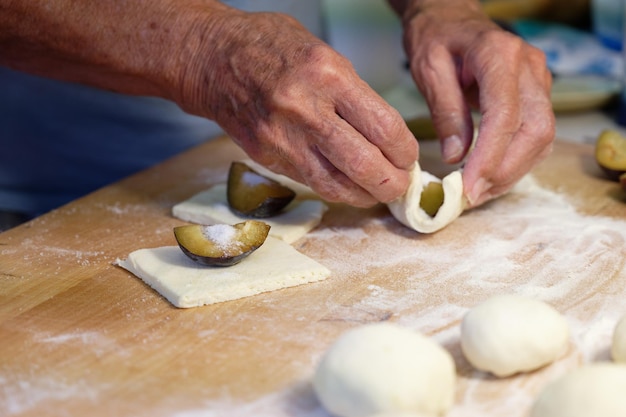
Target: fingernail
481, 186
452, 148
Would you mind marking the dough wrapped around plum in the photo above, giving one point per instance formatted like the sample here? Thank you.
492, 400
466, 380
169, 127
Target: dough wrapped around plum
430, 204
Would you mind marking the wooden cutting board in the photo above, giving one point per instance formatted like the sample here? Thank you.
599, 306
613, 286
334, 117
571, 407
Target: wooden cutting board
80, 336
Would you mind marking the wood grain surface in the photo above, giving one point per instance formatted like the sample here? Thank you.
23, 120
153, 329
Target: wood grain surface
80, 336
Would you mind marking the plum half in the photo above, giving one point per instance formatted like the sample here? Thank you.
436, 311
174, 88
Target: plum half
221, 244
610, 153
431, 198
251, 194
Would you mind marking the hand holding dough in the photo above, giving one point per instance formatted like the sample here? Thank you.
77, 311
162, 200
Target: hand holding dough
408, 211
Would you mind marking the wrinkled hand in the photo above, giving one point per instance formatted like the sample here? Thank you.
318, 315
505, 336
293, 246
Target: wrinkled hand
459, 60
299, 108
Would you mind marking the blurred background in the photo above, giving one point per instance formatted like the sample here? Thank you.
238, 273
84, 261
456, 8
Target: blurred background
582, 40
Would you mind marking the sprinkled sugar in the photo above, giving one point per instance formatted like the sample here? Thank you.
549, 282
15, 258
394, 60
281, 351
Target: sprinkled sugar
222, 235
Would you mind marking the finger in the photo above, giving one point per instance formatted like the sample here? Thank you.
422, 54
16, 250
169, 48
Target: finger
437, 77
307, 165
296, 153
336, 186
363, 163
369, 142
529, 146
383, 126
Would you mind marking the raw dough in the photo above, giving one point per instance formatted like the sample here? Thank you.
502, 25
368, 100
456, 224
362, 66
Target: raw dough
508, 334
385, 368
211, 206
407, 210
596, 390
618, 347
185, 283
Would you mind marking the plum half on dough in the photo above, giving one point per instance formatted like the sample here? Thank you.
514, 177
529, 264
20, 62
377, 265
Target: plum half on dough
221, 244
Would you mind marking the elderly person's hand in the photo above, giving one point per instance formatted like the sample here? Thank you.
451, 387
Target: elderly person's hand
298, 107
459, 60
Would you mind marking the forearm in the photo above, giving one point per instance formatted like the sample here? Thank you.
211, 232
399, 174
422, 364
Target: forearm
136, 47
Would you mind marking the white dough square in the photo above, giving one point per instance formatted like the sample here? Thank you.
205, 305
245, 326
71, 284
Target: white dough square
211, 206
185, 283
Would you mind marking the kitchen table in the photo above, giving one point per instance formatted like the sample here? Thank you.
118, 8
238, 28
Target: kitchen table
80, 336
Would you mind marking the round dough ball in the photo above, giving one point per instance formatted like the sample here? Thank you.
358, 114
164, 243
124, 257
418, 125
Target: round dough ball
618, 347
589, 391
384, 368
508, 334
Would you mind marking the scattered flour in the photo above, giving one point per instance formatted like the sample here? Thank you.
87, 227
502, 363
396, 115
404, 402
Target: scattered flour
536, 244
21, 398
296, 401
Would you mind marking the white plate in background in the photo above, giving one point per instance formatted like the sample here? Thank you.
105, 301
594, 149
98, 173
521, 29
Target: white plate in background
575, 93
